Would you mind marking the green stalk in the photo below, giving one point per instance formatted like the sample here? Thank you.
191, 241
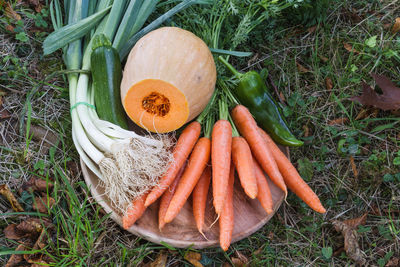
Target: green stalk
209, 125
208, 108
114, 19
127, 23
235, 131
223, 109
230, 67
157, 22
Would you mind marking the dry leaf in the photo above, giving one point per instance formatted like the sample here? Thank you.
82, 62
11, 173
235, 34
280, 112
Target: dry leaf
312, 29
11, 232
10, 12
42, 205
36, 184
306, 131
393, 262
351, 246
350, 48
193, 258
16, 259
4, 114
389, 100
301, 68
353, 166
39, 244
328, 83
6, 192
45, 136
354, 223
161, 260
238, 262
324, 59
9, 28
282, 97
36, 4
338, 121
362, 114
396, 26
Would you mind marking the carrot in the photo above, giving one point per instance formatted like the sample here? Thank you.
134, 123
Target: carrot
243, 160
199, 196
183, 147
226, 220
247, 126
166, 198
195, 167
220, 161
292, 178
264, 194
134, 212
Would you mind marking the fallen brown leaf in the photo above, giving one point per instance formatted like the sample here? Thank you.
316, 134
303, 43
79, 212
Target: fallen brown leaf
396, 26
6, 192
301, 68
282, 97
393, 262
238, 262
338, 121
36, 4
4, 114
364, 112
42, 204
10, 12
161, 260
312, 29
351, 246
354, 223
9, 28
39, 244
194, 258
242, 257
353, 167
389, 100
350, 48
11, 232
16, 259
324, 59
46, 137
328, 83
36, 184
306, 131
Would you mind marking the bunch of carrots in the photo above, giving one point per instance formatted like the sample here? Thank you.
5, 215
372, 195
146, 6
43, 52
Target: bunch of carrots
233, 143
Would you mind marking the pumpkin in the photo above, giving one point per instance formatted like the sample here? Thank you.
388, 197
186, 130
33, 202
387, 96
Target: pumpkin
169, 78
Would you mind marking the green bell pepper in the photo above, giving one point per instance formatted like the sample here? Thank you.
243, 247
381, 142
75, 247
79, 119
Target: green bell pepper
252, 92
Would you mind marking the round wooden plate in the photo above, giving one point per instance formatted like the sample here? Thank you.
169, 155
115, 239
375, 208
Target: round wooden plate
182, 231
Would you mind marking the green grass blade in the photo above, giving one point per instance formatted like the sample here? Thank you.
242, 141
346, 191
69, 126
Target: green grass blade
72, 32
127, 22
230, 53
157, 22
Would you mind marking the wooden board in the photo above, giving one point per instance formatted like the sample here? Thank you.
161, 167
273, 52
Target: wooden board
182, 231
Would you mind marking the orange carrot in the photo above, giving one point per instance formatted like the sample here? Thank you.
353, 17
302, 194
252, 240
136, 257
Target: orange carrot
292, 178
264, 194
183, 147
243, 160
220, 161
199, 196
226, 219
134, 212
247, 126
195, 167
166, 198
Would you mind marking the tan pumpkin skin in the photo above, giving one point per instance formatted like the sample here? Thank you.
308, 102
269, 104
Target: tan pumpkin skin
175, 57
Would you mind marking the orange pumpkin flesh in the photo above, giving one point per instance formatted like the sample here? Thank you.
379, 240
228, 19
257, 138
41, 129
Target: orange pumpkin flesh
169, 78
157, 102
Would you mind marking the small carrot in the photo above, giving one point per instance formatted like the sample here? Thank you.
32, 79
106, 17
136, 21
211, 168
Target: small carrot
134, 212
292, 178
243, 160
166, 198
226, 220
183, 147
195, 167
221, 148
264, 194
247, 126
199, 196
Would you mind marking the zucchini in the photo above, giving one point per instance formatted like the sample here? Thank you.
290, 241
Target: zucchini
107, 76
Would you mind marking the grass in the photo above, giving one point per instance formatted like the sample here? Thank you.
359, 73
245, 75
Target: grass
295, 236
